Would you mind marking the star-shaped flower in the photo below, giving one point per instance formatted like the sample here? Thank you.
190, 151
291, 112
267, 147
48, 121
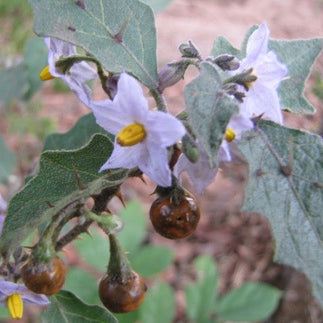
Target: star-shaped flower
14, 295
76, 76
142, 136
262, 97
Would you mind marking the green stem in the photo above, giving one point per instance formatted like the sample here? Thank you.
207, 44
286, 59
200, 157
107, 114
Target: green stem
159, 99
66, 64
119, 267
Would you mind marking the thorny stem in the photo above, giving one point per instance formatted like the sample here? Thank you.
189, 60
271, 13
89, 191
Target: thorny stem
100, 204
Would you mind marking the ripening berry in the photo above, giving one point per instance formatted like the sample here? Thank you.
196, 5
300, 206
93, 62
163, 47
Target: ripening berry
43, 278
175, 221
122, 296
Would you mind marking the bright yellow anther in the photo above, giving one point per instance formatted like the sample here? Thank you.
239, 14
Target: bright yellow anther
15, 306
131, 135
45, 74
230, 134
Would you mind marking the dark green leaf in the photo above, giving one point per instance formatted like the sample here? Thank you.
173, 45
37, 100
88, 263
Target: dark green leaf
250, 302
56, 183
159, 305
7, 162
67, 308
299, 56
119, 33
293, 204
200, 296
77, 137
151, 260
210, 110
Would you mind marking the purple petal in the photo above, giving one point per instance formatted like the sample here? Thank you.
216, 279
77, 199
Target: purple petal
156, 166
163, 129
257, 43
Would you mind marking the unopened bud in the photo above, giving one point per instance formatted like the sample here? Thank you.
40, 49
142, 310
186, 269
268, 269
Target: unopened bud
189, 50
171, 74
190, 149
227, 62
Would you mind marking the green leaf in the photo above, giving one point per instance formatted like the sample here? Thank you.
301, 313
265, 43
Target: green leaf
13, 84
76, 137
299, 56
151, 260
121, 34
250, 302
82, 284
200, 296
35, 59
7, 162
135, 226
56, 183
209, 109
157, 5
159, 305
293, 204
67, 308
94, 249
222, 46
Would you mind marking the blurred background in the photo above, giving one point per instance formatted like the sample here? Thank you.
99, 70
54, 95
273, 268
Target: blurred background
240, 243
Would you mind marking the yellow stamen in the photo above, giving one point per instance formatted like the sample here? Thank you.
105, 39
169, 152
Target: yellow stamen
15, 306
45, 74
131, 135
230, 134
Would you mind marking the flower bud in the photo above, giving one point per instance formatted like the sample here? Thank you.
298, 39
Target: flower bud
171, 74
190, 149
227, 62
189, 50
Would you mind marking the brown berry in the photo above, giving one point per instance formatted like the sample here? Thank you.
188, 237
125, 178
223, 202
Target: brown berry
175, 221
44, 278
122, 296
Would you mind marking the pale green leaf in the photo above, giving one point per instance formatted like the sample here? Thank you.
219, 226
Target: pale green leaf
157, 5
151, 260
209, 109
251, 302
200, 296
13, 84
82, 284
94, 249
222, 46
77, 137
293, 204
159, 304
119, 33
67, 308
35, 59
56, 184
299, 56
7, 162
135, 226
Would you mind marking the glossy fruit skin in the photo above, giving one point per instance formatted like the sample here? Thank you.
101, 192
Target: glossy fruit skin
175, 221
122, 296
45, 279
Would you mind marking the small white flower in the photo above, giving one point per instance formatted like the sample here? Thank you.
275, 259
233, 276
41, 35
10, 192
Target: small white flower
262, 97
142, 136
77, 75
